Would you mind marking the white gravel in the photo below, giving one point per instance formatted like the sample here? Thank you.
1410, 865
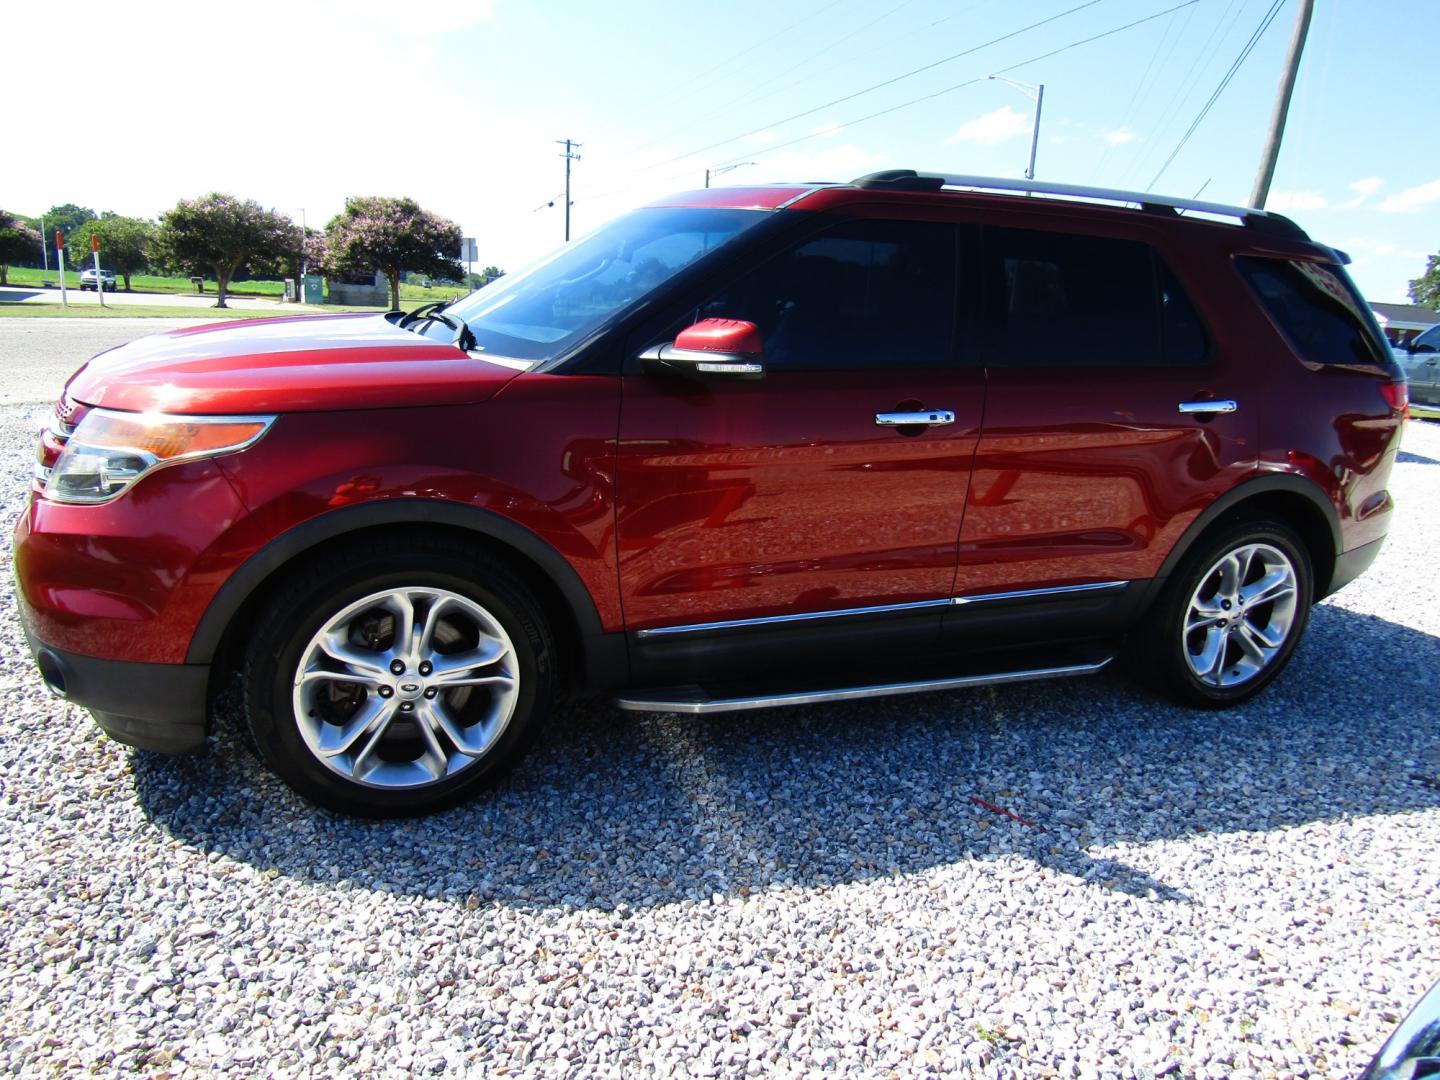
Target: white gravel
814, 891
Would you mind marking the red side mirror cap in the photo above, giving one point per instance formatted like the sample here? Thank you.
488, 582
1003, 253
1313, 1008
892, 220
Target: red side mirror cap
732, 336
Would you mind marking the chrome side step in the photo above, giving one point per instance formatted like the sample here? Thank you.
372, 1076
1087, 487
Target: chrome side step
700, 705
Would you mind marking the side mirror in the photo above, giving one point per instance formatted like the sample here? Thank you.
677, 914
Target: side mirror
724, 348
1426, 348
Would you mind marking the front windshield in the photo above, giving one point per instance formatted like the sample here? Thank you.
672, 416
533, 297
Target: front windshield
543, 310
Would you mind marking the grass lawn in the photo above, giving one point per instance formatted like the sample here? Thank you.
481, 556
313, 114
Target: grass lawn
34, 310
21, 275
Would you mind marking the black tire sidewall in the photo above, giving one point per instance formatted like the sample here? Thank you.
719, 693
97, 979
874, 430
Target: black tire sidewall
315, 598
1163, 646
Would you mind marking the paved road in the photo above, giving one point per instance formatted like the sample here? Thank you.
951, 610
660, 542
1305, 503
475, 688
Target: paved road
27, 295
38, 355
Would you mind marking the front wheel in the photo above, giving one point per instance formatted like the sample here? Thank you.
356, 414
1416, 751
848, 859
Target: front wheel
397, 680
1231, 615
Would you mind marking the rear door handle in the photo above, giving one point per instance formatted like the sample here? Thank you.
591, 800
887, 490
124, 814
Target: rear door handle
1192, 408
929, 418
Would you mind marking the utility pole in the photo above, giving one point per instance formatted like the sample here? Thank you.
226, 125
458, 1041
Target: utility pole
1282, 106
569, 155
723, 169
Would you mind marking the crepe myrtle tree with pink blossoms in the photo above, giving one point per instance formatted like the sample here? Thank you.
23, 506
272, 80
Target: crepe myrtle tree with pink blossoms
393, 236
219, 234
19, 243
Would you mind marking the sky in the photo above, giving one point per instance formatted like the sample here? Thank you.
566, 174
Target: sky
459, 103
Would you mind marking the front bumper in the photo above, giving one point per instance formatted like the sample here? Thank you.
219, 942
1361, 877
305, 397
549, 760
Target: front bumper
159, 707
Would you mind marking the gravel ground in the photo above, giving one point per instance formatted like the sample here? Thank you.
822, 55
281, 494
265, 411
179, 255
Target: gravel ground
806, 891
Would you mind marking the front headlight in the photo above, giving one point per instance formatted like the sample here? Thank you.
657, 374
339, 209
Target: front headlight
110, 451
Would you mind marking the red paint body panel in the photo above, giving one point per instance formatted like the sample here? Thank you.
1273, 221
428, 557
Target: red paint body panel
554, 478
740, 499
302, 364
168, 562
130, 580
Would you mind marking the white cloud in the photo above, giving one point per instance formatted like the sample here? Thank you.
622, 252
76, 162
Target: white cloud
1369, 186
994, 127
1121, 137
1283, 201
1412, 199
760, 138
831, 128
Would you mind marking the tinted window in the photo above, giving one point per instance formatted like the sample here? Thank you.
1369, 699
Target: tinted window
1182, 335
862, 294
1316, 308
537, 313
1058, 298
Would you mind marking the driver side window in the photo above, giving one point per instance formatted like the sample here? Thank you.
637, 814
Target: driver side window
862, 294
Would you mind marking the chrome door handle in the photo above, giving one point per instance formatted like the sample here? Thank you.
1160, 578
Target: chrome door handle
929, 417
1192, 408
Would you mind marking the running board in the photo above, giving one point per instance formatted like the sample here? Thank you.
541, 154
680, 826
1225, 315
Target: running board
693, 701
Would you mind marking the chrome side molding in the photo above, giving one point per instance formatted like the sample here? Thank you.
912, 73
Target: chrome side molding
881, 609
706, 706
1029, 594
780, 620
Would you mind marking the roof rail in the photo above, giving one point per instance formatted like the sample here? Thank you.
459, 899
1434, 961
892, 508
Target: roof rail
909, 180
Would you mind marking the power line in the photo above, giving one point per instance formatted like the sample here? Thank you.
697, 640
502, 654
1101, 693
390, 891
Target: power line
1199, 63
758, 152
971, 82
728, 64
877, 86
751, 91
1224, 82
1145, 79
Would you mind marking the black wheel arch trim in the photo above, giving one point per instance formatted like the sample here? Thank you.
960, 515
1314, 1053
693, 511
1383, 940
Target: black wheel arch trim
336, 524
1271, 484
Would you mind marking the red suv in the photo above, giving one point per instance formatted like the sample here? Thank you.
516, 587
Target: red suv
745, 447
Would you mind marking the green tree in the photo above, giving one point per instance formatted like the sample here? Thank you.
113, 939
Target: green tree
392, 236
125, 244
67, 218
18, 243
220, 233
1426, 288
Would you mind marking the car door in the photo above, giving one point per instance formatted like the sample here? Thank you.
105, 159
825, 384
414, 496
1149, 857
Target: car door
1098, 449
772, 519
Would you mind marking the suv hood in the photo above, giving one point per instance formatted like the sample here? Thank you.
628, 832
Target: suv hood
303, 363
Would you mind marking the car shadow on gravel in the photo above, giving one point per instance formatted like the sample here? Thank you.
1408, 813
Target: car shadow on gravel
617, 809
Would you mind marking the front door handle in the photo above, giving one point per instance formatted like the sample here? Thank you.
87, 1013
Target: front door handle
927, 417
1194, 408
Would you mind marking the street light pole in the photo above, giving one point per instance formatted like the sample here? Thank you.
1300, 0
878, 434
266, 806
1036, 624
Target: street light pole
1039, 94
723, 169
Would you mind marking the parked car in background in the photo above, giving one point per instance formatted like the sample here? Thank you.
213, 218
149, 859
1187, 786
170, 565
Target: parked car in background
1421, 362
89, 280
909, 433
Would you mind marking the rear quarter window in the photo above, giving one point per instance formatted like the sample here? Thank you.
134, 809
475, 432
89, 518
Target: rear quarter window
1317, 309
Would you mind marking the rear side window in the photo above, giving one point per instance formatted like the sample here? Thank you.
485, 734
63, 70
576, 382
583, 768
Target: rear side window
1065, 299
1317, 308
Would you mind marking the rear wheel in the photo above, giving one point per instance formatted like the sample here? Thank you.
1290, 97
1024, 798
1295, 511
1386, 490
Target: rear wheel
398, 680
1231, 615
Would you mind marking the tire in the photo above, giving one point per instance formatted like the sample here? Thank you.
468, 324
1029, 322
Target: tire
387, 742
1218, 635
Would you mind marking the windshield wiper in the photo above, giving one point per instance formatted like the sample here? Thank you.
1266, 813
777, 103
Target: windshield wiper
432, 312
